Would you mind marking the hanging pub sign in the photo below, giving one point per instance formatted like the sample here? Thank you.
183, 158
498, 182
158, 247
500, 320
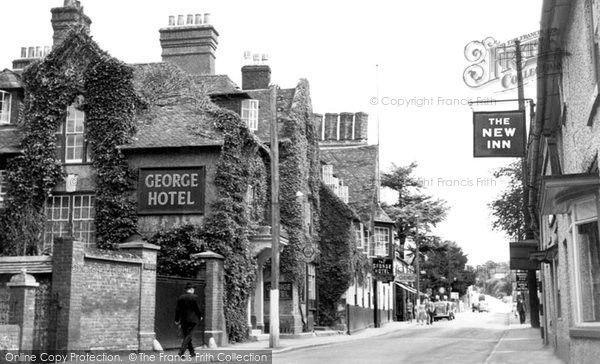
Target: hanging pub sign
499, 134
383, 269
171, 190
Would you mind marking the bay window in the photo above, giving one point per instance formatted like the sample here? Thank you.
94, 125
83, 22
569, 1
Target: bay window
587, 261
381, 241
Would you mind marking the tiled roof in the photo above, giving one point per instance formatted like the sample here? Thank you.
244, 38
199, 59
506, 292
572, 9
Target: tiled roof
357, 167
381, 216
10, 80
218, 84
9, 140
175, 126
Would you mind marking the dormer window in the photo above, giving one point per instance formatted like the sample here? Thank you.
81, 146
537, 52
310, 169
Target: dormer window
5, 100
250, 114
70, 138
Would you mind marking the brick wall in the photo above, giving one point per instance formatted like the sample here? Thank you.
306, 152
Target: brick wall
110, 304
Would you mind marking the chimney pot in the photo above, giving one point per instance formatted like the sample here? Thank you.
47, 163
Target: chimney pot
206, 18
171, 20
198, 19
23, 52
46, 50
180, 20
31, 53
190, 19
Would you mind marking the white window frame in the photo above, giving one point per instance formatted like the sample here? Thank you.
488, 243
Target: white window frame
358, 235
576, 219
77, 215
2, 186
381, 251
5, 108
250, 113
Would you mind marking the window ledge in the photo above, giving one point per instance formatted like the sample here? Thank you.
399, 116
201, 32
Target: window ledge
585, 332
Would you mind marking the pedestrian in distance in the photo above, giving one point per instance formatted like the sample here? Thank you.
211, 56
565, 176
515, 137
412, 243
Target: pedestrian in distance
421, 313
521, 309
430, 312
187, 316
410, 309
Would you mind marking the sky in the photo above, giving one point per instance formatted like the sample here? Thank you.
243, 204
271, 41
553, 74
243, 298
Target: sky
402, 62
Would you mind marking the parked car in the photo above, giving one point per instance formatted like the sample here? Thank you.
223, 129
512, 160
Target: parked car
444, 309
483, 307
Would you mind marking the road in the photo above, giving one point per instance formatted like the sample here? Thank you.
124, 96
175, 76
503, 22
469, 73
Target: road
471, 338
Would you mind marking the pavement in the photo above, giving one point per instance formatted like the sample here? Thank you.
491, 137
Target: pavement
522, 344
513, 344
518, 344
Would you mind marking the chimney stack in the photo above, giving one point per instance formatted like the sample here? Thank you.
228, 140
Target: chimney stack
361, 126
256, 74
331, 126
190, 42
318, 122
67, 17
28, 55
346, 124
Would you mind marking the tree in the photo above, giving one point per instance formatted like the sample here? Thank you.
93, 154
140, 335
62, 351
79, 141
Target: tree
411, 202
446, 266
507, 209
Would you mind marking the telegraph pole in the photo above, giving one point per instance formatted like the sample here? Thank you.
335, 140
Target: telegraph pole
534, 303
417, 269
274, 293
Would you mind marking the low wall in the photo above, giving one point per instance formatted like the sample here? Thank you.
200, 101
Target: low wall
358, 318
9, 337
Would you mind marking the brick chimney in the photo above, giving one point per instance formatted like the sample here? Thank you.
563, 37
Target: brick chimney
331, 126
318, 122
361, 126
67, 17
346, 124
256, 77
256, 74
190, 42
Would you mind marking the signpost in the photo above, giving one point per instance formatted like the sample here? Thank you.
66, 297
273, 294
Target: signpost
499, 134
171, 190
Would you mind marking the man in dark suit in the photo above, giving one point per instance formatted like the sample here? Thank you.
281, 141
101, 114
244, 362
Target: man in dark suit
188, 315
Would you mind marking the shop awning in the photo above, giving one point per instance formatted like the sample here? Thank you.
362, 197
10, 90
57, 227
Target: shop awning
559, 191
406, 288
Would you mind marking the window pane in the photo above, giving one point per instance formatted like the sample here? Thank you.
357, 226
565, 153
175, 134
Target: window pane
589, 271
5, 100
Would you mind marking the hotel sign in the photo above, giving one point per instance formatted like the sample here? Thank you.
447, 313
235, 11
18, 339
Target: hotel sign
499, 134
383, 269
171, 190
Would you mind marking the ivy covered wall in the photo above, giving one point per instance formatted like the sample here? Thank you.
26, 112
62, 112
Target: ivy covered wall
76, 70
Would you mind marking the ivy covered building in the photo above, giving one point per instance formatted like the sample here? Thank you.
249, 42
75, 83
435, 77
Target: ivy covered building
101, 151
351, 170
